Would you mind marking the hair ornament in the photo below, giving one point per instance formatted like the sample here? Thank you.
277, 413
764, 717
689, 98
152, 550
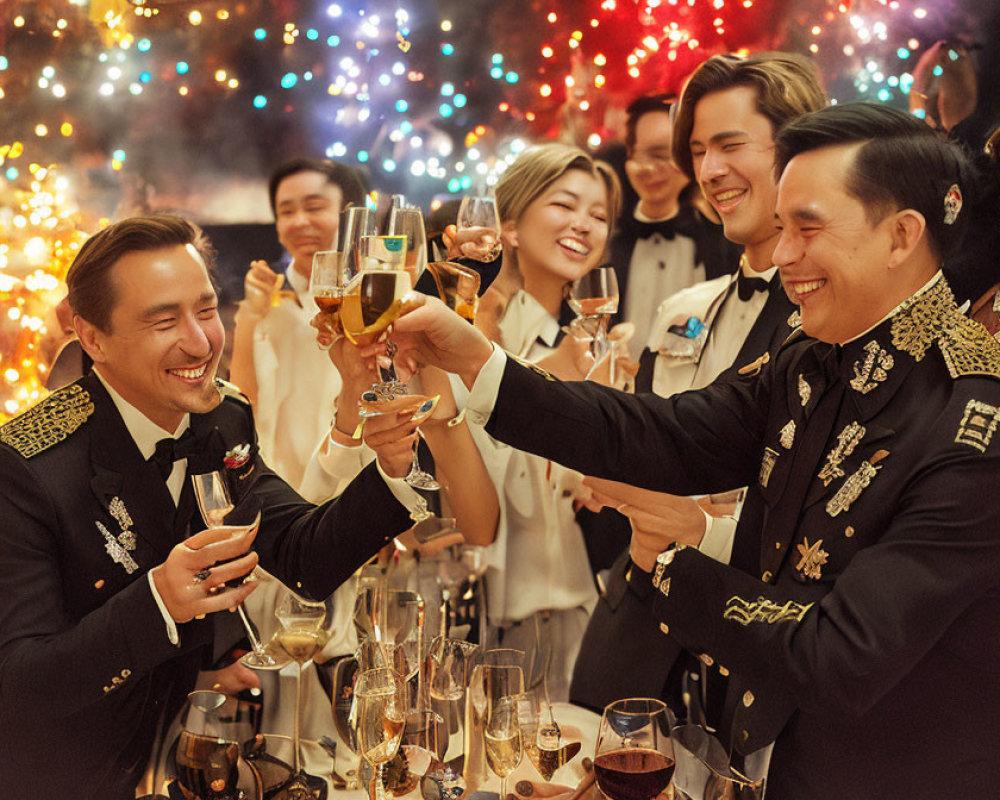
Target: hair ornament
952, 204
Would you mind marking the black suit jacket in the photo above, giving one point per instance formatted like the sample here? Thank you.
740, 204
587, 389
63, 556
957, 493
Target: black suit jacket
858, 620
86, 668
624, 653
712, 249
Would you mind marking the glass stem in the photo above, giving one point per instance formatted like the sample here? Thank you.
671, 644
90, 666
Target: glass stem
298, 712
379, 786
503, 787
258, 648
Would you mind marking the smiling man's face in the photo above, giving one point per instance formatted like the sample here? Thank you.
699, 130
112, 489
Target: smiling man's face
165, 338
732, 152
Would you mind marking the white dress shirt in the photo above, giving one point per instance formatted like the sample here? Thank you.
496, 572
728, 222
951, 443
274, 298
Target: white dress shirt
296, 383
538, 560
728, 330
658, 269
146, 433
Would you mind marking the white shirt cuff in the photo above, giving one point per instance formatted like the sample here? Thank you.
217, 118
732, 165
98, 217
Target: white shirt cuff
172, 634
717, 543
483, 396
402, 491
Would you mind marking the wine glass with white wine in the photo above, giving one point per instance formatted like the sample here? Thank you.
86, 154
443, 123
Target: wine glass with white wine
478, 229
382, 702
214, 503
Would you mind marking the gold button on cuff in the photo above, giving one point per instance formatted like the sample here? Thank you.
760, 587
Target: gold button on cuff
746, 735
777, 545
723, 671
748, 698
849, 531
706, 659
664, 628
766, 577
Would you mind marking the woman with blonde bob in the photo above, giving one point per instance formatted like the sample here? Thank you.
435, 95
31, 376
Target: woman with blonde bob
555, 204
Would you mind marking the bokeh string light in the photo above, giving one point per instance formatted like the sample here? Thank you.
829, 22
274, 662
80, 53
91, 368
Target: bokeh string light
134, 98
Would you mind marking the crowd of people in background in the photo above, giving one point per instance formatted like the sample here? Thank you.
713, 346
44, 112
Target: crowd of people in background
702, 260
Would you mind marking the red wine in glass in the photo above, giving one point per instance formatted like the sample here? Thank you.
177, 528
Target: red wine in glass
633, 773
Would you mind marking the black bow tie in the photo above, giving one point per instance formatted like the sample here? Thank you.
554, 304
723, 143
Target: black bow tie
640, 229
170, 450
746, 286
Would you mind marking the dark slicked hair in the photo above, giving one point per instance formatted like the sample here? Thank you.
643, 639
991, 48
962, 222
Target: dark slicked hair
638, 108
92, 292
349, 180
787, 86
900, 164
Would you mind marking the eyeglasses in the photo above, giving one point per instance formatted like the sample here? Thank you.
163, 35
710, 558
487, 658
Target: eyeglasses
658, 158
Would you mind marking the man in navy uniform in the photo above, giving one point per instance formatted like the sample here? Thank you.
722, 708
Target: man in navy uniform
106, 605
857, 620
726, 121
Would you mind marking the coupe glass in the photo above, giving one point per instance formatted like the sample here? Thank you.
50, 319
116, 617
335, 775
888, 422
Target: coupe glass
214, 503
478, 229
634, 759
302, 635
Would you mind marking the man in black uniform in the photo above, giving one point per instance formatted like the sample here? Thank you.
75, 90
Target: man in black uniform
105, 605
728, 115
858, 618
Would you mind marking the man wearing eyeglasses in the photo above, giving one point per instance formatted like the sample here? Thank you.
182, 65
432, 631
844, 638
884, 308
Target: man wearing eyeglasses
665, 244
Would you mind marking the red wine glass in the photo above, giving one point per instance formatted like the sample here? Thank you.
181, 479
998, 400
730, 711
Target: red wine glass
634, 759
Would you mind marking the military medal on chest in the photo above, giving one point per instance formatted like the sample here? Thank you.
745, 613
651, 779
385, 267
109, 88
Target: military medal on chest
847, 440
805, 391
119, 547
853, 487
874, 370
813, 557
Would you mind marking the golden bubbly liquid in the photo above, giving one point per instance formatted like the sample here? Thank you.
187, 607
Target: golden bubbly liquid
373, 303
301, 645
503, 753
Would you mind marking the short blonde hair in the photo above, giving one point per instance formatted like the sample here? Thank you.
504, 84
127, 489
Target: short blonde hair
538, 168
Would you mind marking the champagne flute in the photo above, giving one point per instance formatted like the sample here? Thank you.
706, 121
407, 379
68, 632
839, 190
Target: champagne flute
478, 229
358, 221
381, 698
502, 739
206, 759
594, 299
634, 759
214, 503
499, 674
301, 636
409, 222
458, 286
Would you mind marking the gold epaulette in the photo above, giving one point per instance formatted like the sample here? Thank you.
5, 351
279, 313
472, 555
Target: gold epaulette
968, 348
49, 422
533, 367
227, 389
933, 317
